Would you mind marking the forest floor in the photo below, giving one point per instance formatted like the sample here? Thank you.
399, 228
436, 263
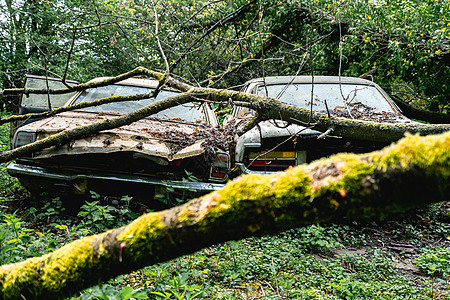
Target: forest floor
404, 256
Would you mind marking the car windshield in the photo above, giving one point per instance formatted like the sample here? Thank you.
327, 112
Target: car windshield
337, 96
191, 112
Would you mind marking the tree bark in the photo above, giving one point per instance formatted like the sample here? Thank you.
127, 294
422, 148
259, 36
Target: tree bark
421, 114
413, 172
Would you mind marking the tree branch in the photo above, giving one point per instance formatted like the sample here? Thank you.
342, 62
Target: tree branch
66, 136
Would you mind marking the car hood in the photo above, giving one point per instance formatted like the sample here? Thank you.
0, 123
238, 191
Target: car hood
170, 139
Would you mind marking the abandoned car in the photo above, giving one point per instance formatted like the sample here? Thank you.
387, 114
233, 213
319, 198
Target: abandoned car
154, 153
274, 145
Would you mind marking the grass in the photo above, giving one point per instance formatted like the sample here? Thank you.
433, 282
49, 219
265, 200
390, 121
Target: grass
346, 261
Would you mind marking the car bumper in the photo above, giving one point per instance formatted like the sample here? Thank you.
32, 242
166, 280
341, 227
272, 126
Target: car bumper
19, 170
242, 169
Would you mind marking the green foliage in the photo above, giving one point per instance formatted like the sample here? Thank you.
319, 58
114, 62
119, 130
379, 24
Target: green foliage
108, 292
405, 41
18, 242
434, 261
279, 267
96, 218
171, 197
7, 183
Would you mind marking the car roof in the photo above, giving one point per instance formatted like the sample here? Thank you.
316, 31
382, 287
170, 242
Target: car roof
310, 79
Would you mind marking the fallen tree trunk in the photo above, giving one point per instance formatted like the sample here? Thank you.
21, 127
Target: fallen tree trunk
413, 172
421, 114
267, 108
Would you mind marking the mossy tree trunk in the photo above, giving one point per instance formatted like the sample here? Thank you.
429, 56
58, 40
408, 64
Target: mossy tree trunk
421, 114
413, 172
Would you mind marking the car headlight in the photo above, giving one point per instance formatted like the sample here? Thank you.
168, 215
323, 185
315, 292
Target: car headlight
23, 138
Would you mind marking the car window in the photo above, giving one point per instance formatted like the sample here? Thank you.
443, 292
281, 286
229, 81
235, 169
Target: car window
336, 96
192, 112
41, 100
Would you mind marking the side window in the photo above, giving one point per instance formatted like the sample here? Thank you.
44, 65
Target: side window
39, 102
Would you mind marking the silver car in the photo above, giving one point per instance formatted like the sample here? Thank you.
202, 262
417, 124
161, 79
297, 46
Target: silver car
274, 145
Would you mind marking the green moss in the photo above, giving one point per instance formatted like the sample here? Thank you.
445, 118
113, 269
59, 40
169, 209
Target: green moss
353, 171
23, 273
239, 194
50, 272
140, 234
421, 151
65, 262
292, 186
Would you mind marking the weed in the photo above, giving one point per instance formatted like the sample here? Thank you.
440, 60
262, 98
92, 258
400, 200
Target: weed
171, 197
51, 208
17, 242
434, 261
108, 292
318, 239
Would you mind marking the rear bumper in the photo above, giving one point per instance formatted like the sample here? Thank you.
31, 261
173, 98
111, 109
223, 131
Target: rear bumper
244, 170
20, 170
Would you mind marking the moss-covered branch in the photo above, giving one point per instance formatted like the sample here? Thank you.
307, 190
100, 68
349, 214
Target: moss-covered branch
81, 105
422, 114
410, 173
80, 87
269, 108
84, 86
66, 136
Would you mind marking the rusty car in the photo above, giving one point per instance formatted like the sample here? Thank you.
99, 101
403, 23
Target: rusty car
140, 159
275, 145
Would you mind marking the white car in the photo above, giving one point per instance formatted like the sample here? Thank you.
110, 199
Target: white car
274, 145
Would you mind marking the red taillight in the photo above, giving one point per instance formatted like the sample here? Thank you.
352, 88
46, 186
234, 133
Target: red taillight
259, 163
218, 175
176, 163
275, 160
220, 167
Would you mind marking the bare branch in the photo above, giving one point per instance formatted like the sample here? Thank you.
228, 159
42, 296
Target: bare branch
163, 55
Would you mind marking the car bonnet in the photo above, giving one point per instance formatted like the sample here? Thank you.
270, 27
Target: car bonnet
151, 136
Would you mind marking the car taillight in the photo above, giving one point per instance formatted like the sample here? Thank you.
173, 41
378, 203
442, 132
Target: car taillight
220, 167
276, 160
24, 138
